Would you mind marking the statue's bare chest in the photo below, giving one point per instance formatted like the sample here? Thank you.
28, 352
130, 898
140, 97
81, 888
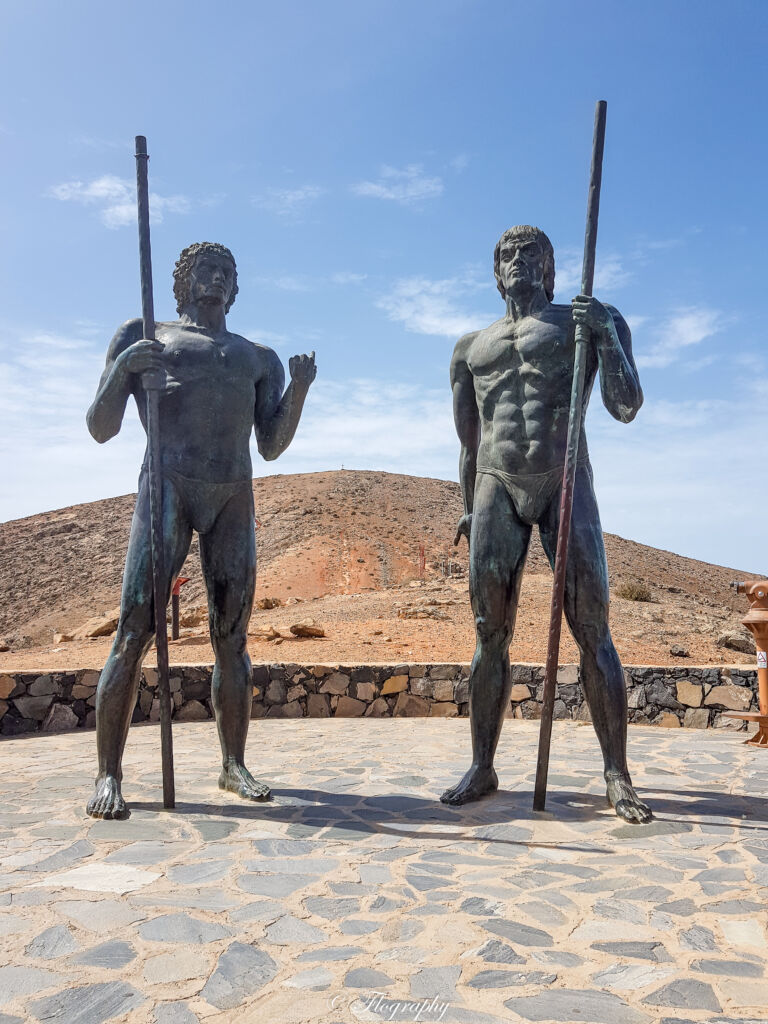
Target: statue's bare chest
194, 357
528, 347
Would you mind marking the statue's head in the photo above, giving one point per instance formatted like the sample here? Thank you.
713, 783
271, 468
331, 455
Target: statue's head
523, 235
185, 264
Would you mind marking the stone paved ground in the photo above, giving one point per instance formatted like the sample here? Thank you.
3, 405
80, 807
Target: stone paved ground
356, 896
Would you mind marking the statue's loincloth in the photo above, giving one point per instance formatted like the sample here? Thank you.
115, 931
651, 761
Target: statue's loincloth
530, 493
203, 502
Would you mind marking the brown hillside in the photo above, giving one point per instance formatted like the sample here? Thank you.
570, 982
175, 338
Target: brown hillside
345, 545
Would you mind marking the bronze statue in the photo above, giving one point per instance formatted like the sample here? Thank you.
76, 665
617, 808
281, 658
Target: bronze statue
511, 394
218, 388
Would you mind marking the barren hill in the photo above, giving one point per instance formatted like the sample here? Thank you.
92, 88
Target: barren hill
346, 547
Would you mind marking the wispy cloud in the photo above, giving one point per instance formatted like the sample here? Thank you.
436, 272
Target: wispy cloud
459, 163
347, 277
288, 282
683, 330
407, 186
367, 415
424, 306
309, 282
288, 202
610, 274
269, 338
115, 200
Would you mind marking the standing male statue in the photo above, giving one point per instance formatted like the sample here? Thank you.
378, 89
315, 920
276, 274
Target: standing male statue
511, 395
219, 387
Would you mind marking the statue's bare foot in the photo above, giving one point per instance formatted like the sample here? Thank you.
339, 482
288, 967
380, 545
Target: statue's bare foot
625, 801
477, 783
237, 779
107, 801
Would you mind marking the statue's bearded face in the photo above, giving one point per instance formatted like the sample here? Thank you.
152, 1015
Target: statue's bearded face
521, 265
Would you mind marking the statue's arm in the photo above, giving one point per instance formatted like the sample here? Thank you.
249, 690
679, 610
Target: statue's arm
277, 414
105, 415
612, 338
467, 420
619, 379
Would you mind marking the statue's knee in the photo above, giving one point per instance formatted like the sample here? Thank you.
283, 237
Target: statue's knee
491, 632
229, 640
598, 642
135, 631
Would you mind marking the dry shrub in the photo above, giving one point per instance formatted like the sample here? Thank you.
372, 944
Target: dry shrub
634, 591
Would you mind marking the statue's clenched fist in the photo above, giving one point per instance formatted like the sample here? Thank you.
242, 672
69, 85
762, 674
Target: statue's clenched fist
142, 356
588, 311
464, 529
302, 369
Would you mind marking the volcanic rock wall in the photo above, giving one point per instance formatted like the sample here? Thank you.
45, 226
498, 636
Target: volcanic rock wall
692, 697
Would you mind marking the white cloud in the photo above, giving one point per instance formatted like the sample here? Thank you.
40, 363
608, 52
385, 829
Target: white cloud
288, 282
115, 199
307, 282
682, 330
374, 424
610, 274
407, 186
758, 386
288, 202
347, 277
424, 306
459, 163
264, 337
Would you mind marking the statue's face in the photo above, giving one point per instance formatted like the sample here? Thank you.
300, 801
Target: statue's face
521, 264
211, 279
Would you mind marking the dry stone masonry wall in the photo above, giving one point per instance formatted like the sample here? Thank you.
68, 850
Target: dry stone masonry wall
672, 697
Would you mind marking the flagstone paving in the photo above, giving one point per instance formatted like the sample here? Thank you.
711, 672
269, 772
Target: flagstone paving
355, 895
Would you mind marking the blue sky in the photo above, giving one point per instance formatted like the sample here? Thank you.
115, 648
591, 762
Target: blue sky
361, 160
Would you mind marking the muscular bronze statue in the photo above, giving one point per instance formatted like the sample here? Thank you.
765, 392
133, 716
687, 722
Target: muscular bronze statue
511, 394
218, 387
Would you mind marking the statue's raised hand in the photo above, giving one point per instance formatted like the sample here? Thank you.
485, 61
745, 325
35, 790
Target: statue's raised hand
302, 370
463, 529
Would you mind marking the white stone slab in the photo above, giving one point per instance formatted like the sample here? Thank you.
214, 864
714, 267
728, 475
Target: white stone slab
117, 878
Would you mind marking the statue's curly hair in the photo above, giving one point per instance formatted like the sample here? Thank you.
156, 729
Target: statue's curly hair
184, 264
527, 233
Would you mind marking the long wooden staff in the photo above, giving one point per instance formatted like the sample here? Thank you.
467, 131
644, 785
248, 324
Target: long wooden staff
569, 469
153, 384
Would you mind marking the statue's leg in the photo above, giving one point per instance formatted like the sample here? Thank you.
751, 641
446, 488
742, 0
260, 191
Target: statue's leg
228, 557
119, 680
498, 546
587, 603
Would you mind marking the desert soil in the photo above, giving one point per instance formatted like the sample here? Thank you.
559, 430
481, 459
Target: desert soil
343, 549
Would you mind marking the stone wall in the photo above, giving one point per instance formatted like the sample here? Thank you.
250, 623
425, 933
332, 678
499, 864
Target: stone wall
693, 697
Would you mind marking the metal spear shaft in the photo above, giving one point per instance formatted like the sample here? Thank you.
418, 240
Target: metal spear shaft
569, 469
153, 384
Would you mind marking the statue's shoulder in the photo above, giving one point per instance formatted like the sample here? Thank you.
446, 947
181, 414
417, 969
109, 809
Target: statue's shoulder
125, 335
263, 352
464, 345
263, 360
614, 313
